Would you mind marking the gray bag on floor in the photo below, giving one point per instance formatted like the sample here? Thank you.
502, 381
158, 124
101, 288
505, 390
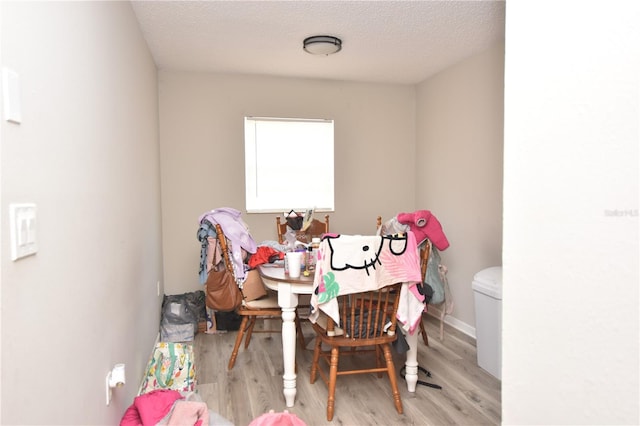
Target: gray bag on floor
180, 316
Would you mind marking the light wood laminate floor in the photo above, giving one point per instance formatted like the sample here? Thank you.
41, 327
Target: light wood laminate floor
469, 395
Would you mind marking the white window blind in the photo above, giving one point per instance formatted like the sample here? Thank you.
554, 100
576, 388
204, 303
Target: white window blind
288, 164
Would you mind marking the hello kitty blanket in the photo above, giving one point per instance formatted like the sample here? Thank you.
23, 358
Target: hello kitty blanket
353, 263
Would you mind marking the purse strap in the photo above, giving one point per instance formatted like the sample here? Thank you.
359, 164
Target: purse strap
219, 242
222, 240
215, 250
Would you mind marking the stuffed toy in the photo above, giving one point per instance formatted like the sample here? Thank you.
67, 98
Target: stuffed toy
278, 419
425, 225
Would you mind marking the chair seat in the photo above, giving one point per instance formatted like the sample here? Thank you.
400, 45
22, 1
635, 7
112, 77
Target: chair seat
269, 302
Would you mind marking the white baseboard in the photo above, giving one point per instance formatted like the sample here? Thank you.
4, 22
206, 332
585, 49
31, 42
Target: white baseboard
457, 324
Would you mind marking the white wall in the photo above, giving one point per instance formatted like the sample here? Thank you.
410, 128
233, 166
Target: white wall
2, 237
202, 153
570, 306
459, 169
86, 153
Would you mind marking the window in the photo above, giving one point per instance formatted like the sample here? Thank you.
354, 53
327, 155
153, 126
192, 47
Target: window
288, 164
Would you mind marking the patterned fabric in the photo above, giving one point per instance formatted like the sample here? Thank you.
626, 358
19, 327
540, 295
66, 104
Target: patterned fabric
236, 231
354, 263
171, 367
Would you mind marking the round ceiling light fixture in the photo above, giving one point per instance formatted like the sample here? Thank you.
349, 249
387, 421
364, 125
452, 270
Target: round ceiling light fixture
322, 45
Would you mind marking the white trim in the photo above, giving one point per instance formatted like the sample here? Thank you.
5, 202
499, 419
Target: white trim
457, 324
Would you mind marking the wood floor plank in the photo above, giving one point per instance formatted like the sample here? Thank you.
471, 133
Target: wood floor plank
470, 396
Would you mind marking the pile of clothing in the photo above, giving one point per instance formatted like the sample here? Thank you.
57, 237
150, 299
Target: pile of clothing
170, 407
236, 231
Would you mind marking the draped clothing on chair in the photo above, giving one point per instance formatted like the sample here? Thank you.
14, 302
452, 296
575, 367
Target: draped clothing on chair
237, 232
354, 263
207, 237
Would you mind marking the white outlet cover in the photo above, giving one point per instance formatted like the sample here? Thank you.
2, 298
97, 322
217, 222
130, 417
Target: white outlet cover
11, 90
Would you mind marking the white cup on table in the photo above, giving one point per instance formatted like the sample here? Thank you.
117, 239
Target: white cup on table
294, 259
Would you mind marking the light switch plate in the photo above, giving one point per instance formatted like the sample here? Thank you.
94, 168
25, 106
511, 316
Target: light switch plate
11, 93
22, 221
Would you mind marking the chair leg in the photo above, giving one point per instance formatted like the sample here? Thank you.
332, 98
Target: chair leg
316, 358
379, 359
301, 341
333, 375
252, 323
391, 370
234, 353
425, 338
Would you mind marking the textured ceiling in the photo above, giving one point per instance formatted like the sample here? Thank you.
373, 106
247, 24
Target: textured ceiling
383, 41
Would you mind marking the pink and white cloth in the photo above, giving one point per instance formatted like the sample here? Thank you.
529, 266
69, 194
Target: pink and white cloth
354, 263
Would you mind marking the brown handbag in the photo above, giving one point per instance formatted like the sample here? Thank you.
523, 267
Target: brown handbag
223, 293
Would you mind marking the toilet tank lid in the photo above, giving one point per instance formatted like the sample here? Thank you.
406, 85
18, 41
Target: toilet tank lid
489, 282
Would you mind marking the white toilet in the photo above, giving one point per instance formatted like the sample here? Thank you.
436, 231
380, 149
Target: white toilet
487, 293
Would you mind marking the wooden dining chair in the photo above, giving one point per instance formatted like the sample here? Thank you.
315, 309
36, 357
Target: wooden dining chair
264, 308
368, 327
424, 261
316, 229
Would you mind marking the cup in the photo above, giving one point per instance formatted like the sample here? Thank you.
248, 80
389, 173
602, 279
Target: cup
294, 259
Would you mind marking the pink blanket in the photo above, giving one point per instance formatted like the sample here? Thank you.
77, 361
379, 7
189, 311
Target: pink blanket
151, 408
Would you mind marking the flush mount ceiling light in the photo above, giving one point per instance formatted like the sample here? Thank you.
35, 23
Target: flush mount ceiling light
322, 45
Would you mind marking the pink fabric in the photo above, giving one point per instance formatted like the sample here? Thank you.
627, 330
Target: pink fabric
131, 417
353, 263
149, 408
410, 308
189, 413
425, 225
211, 251
277, 419
236, 231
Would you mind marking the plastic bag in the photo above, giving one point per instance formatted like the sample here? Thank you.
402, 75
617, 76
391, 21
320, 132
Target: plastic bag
180, 316
434, 279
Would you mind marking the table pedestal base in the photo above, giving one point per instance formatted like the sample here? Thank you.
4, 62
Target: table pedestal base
288, 302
